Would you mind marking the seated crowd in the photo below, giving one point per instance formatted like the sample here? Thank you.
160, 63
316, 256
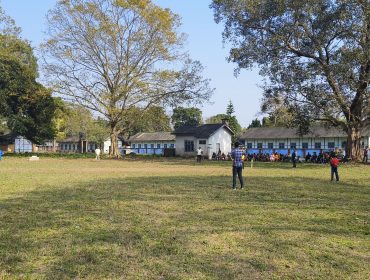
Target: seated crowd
278, 157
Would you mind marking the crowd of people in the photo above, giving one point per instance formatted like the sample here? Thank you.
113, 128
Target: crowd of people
321, 158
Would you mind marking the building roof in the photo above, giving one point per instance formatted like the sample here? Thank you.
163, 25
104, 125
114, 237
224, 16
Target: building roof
283, 133
71, 139
153, 136
202, 131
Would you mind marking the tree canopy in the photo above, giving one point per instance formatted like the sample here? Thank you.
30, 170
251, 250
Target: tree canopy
25, 104
186, 117
112, 56
315, 55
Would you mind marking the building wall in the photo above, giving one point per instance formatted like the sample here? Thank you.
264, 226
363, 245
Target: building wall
221, 138
150, 147
180, 145
311, 143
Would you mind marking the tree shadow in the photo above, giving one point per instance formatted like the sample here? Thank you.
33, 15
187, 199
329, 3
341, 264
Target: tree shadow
181, 227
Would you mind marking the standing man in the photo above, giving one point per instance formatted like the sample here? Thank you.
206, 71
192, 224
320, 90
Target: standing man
334, 163
236, 156
294, 161
97, 153
1, 154
366, 158
199, 154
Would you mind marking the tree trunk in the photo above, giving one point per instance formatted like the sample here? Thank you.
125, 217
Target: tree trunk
114, 152
354, 144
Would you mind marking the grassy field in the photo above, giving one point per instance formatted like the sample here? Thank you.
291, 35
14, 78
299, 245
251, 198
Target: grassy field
79, 218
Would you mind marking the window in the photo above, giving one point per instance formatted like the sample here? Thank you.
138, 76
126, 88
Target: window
281, 145
259, 145
317, 145
145, 146
172, 145
139, 146
293, 145
73, 146
165, 146
305, 145
69, 147
158, 146
189, 146
152, 146
249, 145
202, 142
331, 145
344, 144
270, 145
133, 145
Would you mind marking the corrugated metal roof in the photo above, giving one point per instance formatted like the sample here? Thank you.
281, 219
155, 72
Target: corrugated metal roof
202, 131
283, 133
152, 136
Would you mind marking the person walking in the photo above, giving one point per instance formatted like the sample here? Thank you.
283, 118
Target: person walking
97, 154
236, 156
334, 163
199, 154
294, 160
366, 158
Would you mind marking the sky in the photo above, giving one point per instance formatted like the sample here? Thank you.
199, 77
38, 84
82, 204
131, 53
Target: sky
204, 43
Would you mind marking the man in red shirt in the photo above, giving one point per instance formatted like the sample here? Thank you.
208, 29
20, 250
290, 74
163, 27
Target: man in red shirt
334, 163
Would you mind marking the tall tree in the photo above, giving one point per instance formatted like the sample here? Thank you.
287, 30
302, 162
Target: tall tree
27, 106
186, 117
230, 109
255, 123
316, 54
114, 55
230, 118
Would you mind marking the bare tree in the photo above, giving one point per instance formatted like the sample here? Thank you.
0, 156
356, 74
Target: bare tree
113, 55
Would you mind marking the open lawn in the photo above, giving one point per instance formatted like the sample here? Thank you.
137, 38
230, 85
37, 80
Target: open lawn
79, 218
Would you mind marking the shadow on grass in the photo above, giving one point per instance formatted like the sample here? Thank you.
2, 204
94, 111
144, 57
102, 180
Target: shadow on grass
186, 227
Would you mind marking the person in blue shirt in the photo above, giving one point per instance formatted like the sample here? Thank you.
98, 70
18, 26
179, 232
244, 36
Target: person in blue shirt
236, 156
1, 154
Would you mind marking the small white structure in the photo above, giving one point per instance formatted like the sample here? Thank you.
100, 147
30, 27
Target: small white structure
22, 145
107, 145
34, 158
211, 138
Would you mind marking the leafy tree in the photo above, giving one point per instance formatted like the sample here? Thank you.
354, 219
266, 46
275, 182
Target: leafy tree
112, 56
232, 120
279, 113
186, 116
153, 119
314, 54
255, 123
26, 105
217, 118
75, 120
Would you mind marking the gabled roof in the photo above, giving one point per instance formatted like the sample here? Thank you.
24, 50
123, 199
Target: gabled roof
283, 133
202, 131
71, 139
153, 136
7, 138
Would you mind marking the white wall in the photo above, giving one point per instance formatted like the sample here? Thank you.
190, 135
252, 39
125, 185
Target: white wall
107, 144
180, 145
221, 136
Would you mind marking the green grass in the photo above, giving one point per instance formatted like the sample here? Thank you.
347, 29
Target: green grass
174, 219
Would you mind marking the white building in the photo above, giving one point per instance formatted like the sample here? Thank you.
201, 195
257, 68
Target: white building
211, 138
282, 140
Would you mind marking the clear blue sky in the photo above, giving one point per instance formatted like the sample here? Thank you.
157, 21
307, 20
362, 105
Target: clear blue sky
204, 44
